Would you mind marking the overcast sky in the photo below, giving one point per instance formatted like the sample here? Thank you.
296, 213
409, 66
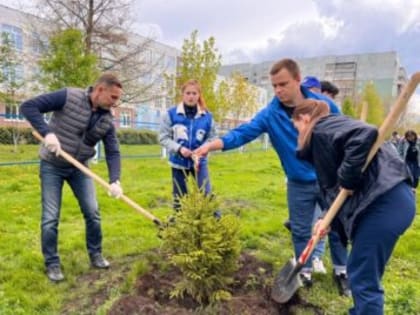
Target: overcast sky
263, 30
260, 30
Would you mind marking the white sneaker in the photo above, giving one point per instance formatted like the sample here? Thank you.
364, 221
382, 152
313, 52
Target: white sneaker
318, 266
306, 279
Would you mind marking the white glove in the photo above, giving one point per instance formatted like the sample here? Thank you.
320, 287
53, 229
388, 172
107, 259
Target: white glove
115, 190
52, 144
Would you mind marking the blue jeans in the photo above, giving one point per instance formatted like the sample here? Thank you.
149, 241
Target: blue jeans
376, 231
179, 182
52, 180
303, 200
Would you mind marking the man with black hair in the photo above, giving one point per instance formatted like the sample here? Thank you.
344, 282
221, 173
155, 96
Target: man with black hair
329, 89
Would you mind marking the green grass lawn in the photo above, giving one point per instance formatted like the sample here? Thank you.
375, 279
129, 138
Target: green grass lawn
250, 184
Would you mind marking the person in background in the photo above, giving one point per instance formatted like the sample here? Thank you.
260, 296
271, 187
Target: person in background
409, 149
329, 89
337, 250
275, 119
395, 140
312, 83
80, 119
380, 206
184, 128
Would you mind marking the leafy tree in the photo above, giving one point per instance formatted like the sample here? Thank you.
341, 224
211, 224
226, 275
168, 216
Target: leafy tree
12, 84
66, 62
243, 97
200, 62
222, 100
204, 248
376, 112
348, 108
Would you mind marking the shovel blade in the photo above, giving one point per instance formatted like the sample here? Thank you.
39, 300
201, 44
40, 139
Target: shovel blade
286, 283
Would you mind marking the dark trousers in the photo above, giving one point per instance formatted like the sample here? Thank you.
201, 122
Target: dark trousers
376, 232
179, 182
415, 172
303, 199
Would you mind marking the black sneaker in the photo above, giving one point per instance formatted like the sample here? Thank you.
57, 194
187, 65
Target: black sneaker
287, 225
343, 285
54, 273
98, 261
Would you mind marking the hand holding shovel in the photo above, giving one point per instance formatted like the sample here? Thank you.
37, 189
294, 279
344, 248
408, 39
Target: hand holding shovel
100, 181
287, 282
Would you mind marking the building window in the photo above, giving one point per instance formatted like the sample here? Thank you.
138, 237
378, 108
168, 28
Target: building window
171, 63
13, 74
125, 120
12, 113
39, 43
15, 35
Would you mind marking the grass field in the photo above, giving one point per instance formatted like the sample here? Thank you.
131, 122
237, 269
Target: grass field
250, 184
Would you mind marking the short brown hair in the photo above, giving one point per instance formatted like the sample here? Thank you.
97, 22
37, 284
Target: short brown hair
109, 79
288, 64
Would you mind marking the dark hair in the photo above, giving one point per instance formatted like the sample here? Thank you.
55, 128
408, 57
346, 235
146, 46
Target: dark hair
395, 133
288, 64
108, 79
410, 133
316, 110
327, 86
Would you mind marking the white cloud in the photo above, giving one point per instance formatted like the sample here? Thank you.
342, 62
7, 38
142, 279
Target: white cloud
236, 24
246, 30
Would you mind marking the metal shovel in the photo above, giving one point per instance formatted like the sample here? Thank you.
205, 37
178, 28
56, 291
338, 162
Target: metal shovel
287, 281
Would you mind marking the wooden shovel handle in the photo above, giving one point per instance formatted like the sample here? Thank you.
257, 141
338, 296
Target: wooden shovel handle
385, 127
100, 181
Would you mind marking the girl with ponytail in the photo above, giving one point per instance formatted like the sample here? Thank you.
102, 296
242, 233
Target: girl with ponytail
381, 206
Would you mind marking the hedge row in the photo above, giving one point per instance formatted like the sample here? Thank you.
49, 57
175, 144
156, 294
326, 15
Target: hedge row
133, 136
125, 136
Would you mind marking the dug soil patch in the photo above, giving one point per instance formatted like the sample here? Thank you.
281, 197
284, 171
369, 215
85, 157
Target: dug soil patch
250, 294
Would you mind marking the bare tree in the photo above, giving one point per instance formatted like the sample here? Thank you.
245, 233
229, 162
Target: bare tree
108, 29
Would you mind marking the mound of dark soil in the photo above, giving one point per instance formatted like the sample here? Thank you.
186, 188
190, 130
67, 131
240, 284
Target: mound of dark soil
250, 294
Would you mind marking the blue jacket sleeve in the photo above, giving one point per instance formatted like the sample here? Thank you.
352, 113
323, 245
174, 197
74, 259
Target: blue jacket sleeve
333, 107
245, 132
34, 109
112, 155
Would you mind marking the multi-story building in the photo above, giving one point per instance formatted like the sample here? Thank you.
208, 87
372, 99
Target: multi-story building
158, 62
349, 73
161, 63
19, 28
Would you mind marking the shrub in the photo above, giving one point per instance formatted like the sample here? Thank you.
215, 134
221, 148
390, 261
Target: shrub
133, 136
25, 136
204, 248
125, 136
